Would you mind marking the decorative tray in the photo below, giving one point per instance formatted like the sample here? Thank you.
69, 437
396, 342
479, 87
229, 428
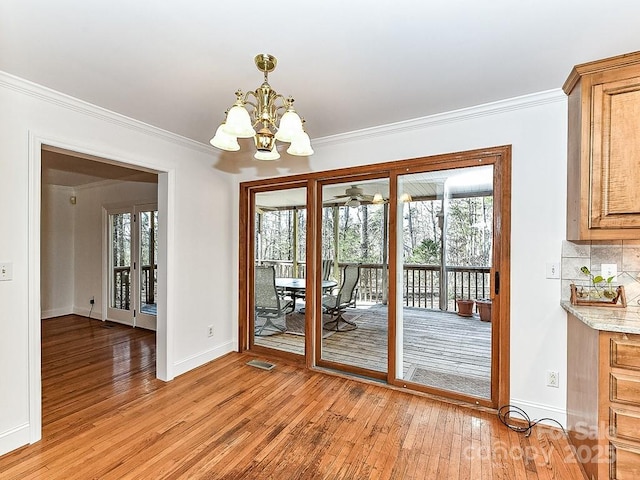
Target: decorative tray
588, 296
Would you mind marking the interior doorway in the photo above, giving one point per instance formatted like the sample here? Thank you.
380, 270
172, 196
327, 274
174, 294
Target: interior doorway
74, 187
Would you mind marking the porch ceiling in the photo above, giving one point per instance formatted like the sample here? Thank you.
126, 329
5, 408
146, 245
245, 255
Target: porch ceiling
428, 185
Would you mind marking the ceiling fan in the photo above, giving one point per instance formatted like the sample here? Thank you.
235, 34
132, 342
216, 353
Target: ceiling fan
354, 195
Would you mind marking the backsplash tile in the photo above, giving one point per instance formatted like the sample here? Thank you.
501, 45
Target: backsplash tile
631, 258
570, 249
605, 254
625, 254
571, 266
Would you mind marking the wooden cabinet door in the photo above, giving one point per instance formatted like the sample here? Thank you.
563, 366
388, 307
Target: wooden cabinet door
615, 167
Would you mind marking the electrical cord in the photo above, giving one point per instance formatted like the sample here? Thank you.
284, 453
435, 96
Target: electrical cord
507, 411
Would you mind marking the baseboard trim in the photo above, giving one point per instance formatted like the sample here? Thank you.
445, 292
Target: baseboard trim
84, 312
200, 359
56, 312
15, 438
536, 411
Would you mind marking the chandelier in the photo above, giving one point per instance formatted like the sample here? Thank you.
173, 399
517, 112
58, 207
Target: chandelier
271, 114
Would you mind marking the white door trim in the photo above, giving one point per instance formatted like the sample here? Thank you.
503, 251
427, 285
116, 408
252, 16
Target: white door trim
165, 317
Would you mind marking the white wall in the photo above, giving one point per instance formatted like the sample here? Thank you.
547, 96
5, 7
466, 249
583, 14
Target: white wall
536, 127
88, 235
57, 246
202, 209
71, 242
199, 266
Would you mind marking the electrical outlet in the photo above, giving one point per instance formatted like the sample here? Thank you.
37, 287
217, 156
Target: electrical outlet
92, 301
553, 379
210, 330
6, 271
608, 270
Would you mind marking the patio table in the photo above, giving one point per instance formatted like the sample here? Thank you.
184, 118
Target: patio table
296, 286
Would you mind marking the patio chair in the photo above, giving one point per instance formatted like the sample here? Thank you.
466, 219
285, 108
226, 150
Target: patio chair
326, 269
269, 304
326, 274
335, 305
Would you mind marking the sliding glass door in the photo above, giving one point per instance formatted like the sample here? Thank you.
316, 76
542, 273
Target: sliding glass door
279, 270
354, 269
444, 238
389, 272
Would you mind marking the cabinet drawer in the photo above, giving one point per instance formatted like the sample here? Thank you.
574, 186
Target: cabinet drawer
625, 354
624, 389
625, 462
624, 424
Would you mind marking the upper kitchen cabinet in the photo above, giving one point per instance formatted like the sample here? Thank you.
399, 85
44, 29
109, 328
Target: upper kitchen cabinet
603, 187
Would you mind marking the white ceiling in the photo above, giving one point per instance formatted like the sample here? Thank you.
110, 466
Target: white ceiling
70, 169
349, 64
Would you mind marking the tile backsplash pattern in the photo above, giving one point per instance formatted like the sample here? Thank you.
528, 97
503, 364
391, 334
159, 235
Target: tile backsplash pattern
625, 254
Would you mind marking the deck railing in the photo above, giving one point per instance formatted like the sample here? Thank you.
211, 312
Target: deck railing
122, 286
421, 285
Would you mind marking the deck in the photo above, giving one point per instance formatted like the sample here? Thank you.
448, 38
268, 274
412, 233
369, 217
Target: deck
441, 349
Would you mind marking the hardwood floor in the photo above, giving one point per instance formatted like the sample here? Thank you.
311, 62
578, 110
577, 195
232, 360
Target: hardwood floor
107, 417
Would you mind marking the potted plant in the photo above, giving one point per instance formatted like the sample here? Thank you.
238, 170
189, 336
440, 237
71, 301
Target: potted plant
484, 309
600, 287
465, 307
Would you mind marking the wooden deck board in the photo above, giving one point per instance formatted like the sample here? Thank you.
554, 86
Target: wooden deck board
433, 340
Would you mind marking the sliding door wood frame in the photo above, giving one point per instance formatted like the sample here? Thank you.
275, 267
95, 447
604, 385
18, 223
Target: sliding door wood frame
499, 156
332, 180
246, 301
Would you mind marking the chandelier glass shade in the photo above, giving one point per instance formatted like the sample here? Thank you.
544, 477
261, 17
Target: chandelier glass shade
270, 113
224, 141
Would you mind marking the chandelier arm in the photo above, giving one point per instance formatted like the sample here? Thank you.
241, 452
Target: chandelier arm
283, 99
247, 102
246, 99
277, 109
253, 113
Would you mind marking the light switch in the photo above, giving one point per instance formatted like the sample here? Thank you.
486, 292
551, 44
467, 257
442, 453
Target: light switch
553, 270
6, 271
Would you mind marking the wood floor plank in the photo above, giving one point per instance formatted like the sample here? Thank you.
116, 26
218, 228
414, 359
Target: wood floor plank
106, 416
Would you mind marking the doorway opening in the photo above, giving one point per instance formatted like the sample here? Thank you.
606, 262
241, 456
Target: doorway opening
72, 192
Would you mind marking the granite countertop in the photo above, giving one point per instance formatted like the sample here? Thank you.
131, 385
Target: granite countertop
623, 320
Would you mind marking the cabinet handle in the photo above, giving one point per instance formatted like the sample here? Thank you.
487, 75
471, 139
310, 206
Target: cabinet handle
496, 282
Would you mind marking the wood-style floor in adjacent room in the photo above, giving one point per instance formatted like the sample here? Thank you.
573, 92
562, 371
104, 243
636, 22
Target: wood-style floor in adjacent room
105, 416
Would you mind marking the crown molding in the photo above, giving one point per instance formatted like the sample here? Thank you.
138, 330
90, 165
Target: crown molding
58, 188
469, 113
54, 97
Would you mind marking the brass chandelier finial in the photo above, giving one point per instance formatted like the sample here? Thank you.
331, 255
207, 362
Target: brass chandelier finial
271, 113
